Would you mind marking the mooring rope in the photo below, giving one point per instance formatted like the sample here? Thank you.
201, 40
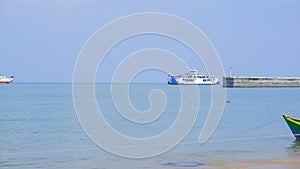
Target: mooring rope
252, 138
262, 125
154, 145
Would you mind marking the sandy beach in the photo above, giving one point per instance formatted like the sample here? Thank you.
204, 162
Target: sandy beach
274, 163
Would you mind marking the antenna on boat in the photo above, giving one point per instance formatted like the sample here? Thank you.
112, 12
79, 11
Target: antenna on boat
230, 71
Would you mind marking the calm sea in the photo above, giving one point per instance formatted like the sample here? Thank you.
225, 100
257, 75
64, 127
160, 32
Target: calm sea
39, 129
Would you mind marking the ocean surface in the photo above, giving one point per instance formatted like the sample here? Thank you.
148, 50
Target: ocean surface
39, 128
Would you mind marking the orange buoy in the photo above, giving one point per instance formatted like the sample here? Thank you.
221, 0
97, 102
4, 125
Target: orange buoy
228, 101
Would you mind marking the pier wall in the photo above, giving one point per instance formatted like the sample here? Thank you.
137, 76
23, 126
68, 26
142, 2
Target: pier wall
260, 82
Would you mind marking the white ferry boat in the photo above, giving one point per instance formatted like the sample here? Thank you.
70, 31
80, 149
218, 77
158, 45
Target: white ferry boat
192, 78
4, 79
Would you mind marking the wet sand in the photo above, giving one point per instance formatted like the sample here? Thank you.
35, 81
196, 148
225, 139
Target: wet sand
274, 163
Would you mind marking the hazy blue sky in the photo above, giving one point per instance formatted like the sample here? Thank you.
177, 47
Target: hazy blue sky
40, 39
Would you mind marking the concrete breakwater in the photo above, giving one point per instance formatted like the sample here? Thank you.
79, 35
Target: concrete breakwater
260, 82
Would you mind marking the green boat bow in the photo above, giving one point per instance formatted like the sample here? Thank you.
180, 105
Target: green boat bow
294, 125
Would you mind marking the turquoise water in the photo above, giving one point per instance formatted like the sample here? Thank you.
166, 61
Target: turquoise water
40, 129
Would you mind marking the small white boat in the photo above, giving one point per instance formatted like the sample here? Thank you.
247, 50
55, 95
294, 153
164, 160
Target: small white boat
6, 80
192, 78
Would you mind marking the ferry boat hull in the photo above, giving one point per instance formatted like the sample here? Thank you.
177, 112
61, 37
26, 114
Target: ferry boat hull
6, 80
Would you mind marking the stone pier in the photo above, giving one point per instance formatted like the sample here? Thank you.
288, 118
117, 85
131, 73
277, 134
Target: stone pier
260, 82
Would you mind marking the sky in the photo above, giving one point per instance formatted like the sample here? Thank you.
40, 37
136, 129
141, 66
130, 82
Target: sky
40, 41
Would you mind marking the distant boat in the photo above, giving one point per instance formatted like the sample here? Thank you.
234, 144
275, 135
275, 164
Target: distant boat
6, 80
294, 125
192, 78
